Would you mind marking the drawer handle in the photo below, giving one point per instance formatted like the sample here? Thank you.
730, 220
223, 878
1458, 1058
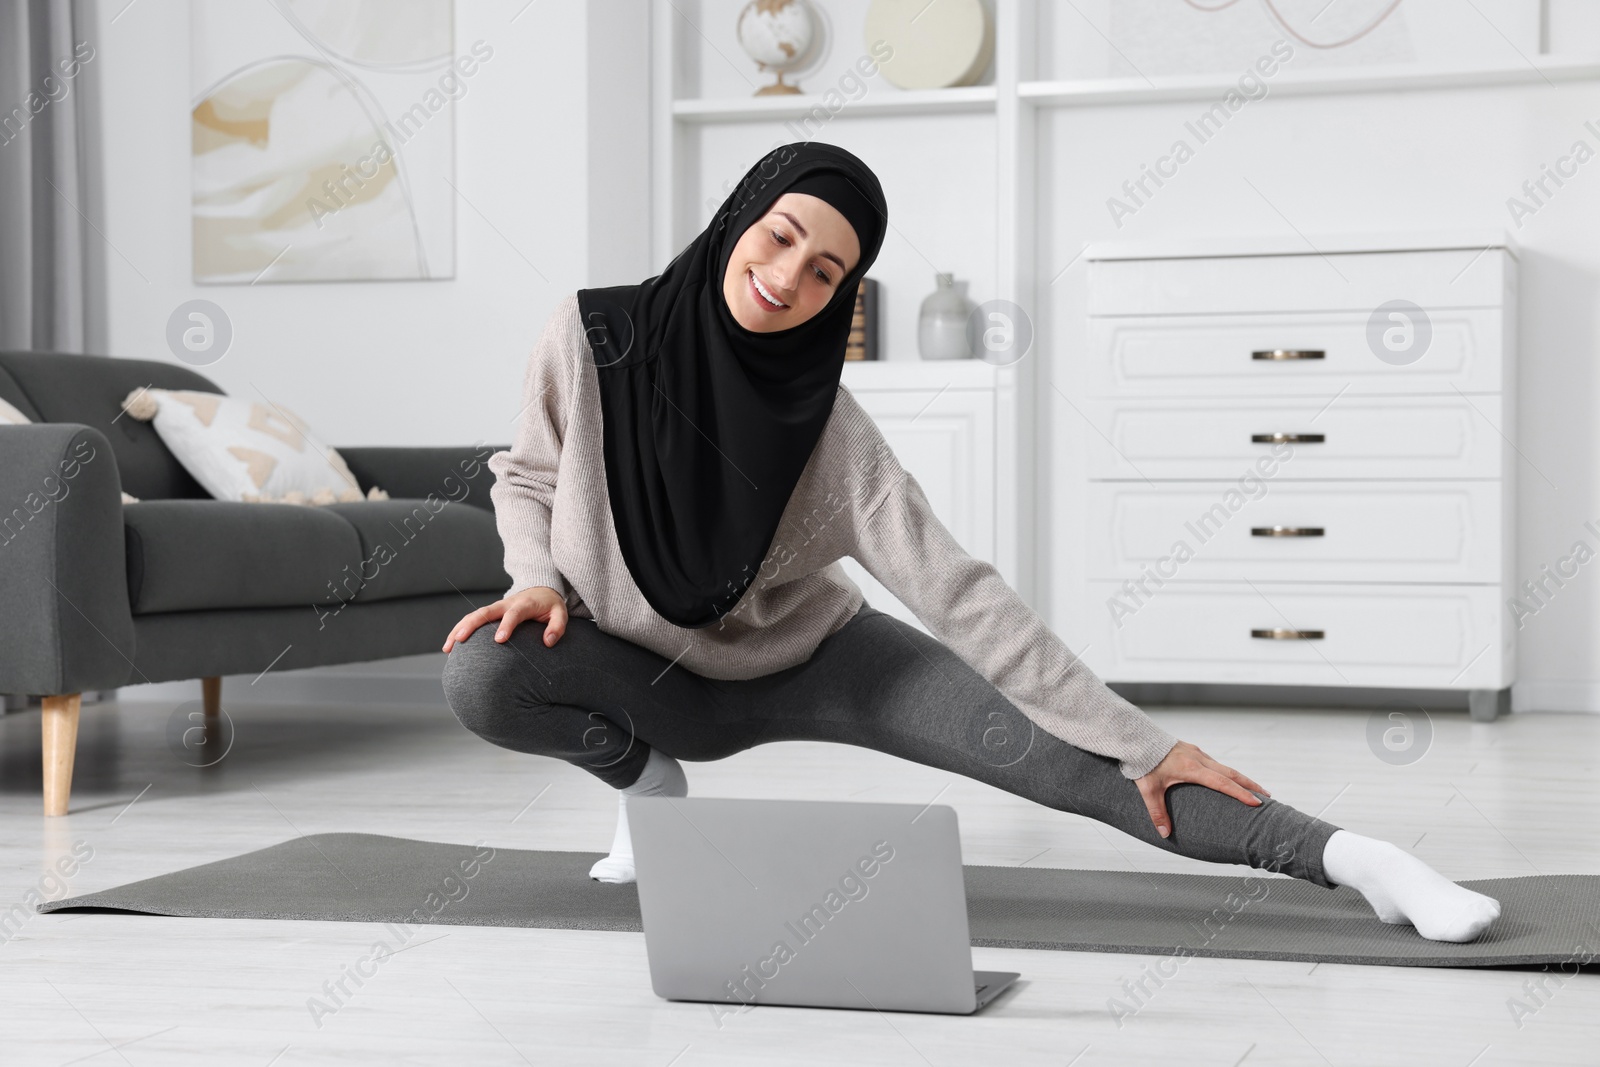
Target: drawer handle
1288, 635
1288, 438
1289, 353
1286, 531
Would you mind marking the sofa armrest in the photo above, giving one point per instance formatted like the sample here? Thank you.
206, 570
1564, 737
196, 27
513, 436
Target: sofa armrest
457, 473
67, 625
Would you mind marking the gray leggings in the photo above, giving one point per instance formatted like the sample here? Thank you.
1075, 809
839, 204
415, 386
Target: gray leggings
601, 702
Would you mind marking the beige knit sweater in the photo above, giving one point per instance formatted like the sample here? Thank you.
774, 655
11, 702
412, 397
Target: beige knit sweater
853, 499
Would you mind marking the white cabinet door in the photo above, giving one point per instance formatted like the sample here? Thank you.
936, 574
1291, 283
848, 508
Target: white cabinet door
1327, 354
1270, 633
1347, 437
1399, 531
946, 441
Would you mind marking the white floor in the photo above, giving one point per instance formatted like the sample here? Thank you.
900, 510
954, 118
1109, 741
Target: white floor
1508, 798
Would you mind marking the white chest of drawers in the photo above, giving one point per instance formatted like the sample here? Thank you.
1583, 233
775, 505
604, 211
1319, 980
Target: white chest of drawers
1303, 471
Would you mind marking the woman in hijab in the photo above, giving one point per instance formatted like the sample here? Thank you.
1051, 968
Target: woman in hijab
687, 473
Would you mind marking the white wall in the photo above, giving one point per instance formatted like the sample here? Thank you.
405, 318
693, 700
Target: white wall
436, 362
1373, 162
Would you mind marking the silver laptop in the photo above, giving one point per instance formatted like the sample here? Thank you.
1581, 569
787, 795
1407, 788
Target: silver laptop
816, 903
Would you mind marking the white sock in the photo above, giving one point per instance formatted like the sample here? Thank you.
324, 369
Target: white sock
662, 777
1403, 889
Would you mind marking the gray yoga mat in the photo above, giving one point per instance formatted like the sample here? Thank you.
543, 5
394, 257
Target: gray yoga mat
1551, 919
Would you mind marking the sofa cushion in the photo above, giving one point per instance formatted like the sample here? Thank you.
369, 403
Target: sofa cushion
189, 555
250, 451
414, 547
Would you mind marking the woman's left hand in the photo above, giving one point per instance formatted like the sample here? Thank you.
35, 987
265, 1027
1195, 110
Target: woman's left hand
1186, 763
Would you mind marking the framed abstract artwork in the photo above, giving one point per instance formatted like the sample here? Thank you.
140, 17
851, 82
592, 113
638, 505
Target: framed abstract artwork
323, 139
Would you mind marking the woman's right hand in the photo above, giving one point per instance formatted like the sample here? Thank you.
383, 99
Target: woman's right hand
539, 602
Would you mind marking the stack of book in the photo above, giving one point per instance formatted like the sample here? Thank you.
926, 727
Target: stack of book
863, 342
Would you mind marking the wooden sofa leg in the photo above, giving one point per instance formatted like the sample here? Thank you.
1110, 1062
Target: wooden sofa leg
60, 734
211, 697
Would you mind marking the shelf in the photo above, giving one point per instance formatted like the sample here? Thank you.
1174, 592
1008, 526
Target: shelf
873, 374
1083, 93
960, 100
1184, 247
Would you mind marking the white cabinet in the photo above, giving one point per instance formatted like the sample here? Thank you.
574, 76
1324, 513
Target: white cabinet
940, 419
1303, 471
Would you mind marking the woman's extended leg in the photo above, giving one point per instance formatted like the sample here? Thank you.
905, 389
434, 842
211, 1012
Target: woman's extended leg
886, 685
892, 687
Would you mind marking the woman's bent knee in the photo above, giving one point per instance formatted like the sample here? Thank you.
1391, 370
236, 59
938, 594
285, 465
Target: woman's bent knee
484, 680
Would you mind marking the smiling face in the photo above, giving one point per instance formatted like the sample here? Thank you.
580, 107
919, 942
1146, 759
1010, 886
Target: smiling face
795, 255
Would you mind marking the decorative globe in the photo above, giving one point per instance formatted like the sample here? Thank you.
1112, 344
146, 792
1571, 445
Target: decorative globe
777, 34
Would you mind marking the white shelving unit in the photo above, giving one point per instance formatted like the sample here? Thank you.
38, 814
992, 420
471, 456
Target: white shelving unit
964, 169
960, 156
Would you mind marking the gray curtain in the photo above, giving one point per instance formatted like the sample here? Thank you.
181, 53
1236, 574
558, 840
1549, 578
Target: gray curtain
51, 254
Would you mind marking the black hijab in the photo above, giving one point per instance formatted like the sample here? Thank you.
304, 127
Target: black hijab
708, 425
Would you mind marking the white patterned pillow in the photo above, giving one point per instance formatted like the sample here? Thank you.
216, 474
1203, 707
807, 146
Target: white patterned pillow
247, 450
10, 416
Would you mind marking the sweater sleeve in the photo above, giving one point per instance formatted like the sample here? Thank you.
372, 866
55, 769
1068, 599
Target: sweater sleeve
525, 476
968, 605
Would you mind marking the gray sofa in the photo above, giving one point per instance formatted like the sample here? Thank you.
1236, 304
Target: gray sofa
98, 594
